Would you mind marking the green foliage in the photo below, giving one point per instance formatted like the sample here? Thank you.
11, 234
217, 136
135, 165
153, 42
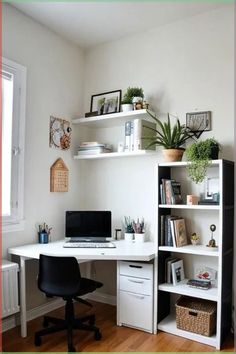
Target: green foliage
199, 155
168, 136
130, 93
128, 225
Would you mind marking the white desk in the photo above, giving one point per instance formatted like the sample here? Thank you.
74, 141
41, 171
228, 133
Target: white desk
124, 251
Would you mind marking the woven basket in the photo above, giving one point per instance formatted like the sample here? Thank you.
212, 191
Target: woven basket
196, 315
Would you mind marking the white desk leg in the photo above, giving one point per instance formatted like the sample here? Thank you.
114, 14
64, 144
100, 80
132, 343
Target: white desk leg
23, 319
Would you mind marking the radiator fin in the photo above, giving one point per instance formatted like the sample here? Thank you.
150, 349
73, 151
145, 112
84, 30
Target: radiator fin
10, 302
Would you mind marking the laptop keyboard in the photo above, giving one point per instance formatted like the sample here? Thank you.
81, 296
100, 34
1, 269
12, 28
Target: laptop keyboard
89, 245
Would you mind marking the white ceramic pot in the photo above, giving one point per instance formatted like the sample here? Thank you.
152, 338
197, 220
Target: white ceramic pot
139, 237
129, 237
127, 107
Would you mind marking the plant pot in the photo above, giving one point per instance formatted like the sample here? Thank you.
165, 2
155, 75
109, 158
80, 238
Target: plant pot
172, 155
195, 242
127, 107
129, 237
139, 237
214, 152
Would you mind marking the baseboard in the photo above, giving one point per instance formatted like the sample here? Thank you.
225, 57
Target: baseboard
13, 321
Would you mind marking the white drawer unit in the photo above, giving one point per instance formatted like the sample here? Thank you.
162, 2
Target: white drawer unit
135, 295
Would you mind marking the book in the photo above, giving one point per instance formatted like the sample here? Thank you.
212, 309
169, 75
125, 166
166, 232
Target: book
177, 269
127, 136
162, 230
168, 272
180, 232
200, 284
143, 131
176, 197
168, 236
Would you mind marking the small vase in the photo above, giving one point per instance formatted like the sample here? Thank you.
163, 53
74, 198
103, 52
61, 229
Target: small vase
129, 237
139, 237
127, 107
172, 155
195, 242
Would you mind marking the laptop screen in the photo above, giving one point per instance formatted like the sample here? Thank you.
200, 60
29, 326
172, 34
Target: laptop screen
88, 225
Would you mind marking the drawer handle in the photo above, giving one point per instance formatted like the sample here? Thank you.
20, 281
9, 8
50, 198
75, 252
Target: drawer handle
136, 281
138, 296
135, 266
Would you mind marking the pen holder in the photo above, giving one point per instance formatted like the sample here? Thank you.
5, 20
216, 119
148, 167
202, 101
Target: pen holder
43, 237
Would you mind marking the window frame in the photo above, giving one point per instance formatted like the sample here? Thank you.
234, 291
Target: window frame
15, 222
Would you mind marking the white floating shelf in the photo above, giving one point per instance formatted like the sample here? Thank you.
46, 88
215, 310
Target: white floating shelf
184, 289
169, 325
200, 250
114, 119
115, 154
185, 206
185, 163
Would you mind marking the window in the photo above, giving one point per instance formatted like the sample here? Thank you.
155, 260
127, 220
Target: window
13, 125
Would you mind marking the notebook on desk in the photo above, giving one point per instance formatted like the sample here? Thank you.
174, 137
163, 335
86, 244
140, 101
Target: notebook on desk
88, 229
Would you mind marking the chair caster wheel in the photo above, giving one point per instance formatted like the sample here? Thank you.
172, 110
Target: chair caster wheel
97, 335
72, 349
45, 323
92, 321
37, 341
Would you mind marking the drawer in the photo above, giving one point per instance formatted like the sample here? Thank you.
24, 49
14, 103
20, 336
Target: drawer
136, 285
136, 269
136, 311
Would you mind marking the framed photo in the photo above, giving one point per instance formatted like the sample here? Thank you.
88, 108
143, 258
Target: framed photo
177, 272
105, 103
211, 187
199, 121
180, 232
60, 133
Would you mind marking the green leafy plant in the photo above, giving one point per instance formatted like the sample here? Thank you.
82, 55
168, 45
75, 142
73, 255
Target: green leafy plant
169, 136
130, 93
200, 154
138, 226
128, 223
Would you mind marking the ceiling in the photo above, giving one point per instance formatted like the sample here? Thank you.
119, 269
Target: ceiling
92, 23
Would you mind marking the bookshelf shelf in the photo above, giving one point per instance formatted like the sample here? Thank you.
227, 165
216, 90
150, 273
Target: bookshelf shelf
199, 256
110, 120
115, 154
184, 289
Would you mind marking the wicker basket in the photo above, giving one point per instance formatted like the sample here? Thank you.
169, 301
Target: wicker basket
196, 315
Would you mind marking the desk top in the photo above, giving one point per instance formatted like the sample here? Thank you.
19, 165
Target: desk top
124, 250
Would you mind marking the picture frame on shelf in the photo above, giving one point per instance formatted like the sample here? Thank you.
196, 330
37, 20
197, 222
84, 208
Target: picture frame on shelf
211, 188
177, 272
106, 102
180, 233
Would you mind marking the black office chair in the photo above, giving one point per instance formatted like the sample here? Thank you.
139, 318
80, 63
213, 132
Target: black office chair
60, 276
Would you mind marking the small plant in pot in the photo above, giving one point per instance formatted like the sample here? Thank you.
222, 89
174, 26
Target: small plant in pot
132, 96
139, 230
171, 137
199, 155
129, 230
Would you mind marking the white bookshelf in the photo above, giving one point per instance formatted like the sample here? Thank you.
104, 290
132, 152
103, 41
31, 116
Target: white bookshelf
115, 155
199, 217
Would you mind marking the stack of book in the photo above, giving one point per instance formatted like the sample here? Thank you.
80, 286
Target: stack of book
170, 192
174, 270
93, 148
172, 231
138, 135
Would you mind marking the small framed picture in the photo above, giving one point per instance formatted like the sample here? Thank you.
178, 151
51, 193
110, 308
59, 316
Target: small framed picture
180, 232
105, 103
211, 187
177, 271
199, 121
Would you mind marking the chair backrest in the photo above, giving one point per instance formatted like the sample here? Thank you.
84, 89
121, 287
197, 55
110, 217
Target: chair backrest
59, 276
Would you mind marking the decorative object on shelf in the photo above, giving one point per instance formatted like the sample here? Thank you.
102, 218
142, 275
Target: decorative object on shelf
129, 230
60, 133
206, 274
106, 102
94, 148
180, 232
171, 137
44, 233
117, 234
192, 199
120, 146
59, 176
177, 269
199, 155
199, 284
195, 239
139, 231
145, 105
212, 188
198, 122
212, 242
132, 99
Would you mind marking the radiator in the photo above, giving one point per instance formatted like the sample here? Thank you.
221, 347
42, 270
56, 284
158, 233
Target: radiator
10, 302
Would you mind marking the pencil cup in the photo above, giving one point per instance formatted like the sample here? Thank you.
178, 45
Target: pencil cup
43, 237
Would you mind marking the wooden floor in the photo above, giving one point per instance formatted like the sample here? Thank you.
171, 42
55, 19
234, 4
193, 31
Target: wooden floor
114, 339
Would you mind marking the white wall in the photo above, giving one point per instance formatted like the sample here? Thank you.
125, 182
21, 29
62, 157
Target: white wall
182, 66
54, 87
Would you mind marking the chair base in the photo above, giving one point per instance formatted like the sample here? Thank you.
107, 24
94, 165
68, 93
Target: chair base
69, 324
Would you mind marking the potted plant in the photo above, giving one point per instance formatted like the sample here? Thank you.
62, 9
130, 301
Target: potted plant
139, 231
171, 137
132, 96
129, 230
199, 155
